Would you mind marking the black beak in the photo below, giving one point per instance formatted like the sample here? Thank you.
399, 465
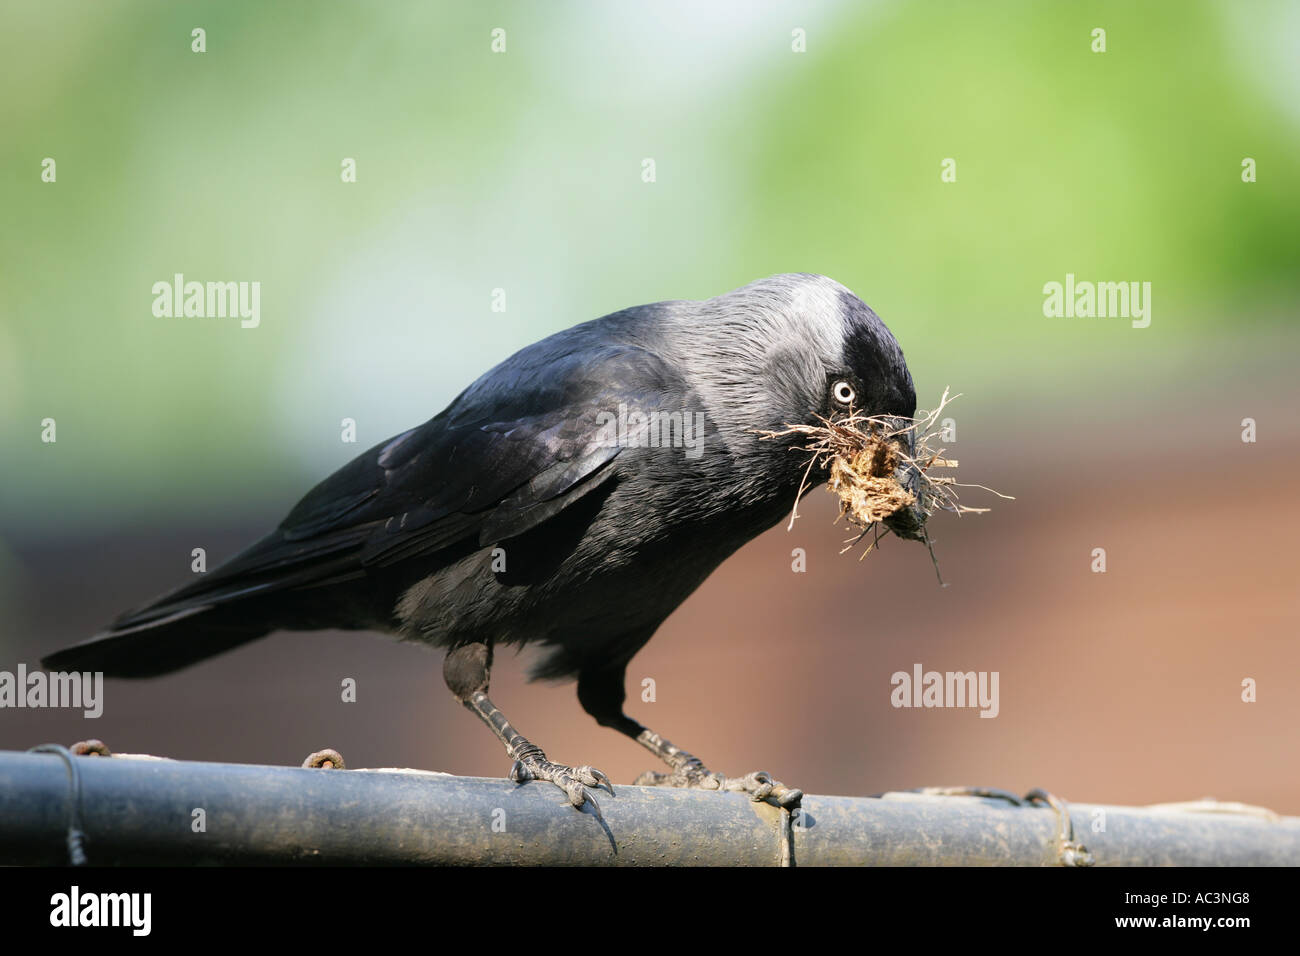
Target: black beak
908, 522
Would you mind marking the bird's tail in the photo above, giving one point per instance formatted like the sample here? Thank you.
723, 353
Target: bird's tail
261, 590
160, 644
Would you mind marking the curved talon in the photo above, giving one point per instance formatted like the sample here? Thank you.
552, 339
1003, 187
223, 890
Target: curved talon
578, 794
592, 777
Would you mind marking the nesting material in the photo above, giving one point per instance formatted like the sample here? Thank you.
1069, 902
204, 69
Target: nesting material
863, 476
864, 456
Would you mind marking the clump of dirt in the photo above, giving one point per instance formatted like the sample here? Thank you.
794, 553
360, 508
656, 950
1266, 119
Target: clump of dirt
863, 475
865, 456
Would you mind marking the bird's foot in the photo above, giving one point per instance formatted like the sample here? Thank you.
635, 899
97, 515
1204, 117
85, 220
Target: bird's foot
690, 772
574, 781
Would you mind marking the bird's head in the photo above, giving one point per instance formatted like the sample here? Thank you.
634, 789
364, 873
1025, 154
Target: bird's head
803, 349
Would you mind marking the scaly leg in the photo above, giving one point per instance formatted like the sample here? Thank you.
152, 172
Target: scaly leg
602, 694
466, 670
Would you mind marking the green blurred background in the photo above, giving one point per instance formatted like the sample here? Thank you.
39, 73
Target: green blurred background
523, 171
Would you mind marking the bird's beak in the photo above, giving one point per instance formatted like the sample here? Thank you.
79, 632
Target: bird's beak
908, 522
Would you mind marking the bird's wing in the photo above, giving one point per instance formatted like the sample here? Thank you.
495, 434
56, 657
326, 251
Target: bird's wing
507, 454
513, 450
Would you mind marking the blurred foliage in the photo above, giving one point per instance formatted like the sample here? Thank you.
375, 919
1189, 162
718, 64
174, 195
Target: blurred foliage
522, 171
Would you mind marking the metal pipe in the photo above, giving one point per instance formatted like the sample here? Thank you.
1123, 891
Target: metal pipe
151, 811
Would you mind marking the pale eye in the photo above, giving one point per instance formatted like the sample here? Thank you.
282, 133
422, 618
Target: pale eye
843, 393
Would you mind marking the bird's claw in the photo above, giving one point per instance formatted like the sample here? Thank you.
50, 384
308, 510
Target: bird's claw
594, 778
574, 781
693, 774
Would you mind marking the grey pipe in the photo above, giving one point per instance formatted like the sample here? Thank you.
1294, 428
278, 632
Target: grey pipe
142, 811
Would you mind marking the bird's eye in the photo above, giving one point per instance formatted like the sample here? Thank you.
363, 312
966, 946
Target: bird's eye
843, 393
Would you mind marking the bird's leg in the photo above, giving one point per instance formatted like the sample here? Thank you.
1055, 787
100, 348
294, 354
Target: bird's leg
466, 670
601, 694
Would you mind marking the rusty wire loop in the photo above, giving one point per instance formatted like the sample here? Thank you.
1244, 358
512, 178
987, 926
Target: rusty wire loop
1069, 852
91, 748
76, 836
326, 759
785, 849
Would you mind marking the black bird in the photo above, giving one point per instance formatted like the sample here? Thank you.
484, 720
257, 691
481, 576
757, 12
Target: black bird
571, 497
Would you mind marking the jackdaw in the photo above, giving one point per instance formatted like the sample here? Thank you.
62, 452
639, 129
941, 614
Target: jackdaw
571, 497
